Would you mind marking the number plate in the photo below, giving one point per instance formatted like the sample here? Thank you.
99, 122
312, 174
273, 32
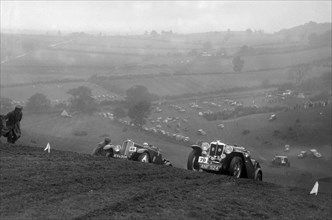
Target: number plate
120, 156
132, 149
203, 160
210, 167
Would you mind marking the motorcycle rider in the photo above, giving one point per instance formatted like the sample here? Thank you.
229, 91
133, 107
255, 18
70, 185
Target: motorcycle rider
99, 151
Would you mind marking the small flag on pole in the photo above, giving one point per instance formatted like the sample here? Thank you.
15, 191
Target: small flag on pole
48, 147
315, 189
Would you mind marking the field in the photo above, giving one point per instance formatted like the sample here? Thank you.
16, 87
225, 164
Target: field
195, 84
80, 57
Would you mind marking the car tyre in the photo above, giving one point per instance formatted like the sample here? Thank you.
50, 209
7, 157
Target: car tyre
236, 167
110, 153
259, 176
144, 158
192, 163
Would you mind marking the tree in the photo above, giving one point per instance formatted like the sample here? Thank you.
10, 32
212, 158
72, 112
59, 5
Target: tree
154, 33
238, 64
38, 102
5, 105
249, 31
137, 94
139, 102
139, 112
82, 100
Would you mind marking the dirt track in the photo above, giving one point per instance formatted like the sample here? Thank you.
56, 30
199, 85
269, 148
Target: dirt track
38, 185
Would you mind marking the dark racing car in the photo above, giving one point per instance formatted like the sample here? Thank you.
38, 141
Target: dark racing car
132, 151
221, 158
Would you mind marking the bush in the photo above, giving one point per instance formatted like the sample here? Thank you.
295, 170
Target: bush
38, 103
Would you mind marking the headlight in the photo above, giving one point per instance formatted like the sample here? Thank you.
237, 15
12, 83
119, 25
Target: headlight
117, 148
205, 146
228, 149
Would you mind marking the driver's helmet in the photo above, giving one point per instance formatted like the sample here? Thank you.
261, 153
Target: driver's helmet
145, 144
107, 140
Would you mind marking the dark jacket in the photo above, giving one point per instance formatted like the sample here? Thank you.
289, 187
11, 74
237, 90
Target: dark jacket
13, 120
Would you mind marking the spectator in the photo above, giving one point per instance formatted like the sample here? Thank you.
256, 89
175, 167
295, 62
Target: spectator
13, 128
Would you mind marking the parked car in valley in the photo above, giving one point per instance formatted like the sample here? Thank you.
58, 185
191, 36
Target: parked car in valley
279, 160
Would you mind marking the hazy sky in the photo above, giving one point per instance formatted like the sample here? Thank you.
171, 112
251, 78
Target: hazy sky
179, 16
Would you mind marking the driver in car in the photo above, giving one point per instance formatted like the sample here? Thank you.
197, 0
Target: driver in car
99, 150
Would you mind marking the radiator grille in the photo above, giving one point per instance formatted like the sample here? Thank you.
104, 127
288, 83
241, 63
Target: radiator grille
216, 150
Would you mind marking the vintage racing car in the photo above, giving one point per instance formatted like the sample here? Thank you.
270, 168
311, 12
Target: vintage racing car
218, 157
133, 151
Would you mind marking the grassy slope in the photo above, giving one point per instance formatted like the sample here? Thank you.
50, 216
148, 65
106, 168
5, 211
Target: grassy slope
314, 132
38, 130
38, 185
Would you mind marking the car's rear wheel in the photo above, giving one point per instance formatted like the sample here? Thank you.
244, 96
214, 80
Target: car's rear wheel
236, 167
192, 163
144, 157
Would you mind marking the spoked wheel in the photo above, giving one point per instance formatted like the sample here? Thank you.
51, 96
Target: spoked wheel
144, 157
236, 167
259, 176
192, 163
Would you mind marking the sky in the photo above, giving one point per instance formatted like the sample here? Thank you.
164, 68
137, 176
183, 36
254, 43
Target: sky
178, 16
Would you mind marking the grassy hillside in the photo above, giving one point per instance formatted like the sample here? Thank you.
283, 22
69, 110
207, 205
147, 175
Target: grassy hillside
264, 139
40, 185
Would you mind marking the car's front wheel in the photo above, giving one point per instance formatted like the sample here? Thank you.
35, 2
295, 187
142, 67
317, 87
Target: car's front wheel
236, 167
110, 153
259, 176
144, 157
192, 163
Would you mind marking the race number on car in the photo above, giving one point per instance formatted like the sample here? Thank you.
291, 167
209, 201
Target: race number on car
132, 149
203, 160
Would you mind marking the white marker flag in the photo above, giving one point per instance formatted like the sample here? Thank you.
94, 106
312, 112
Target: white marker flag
315, 189
48, 147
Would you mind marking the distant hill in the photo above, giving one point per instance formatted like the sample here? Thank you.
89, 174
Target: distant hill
302, 32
